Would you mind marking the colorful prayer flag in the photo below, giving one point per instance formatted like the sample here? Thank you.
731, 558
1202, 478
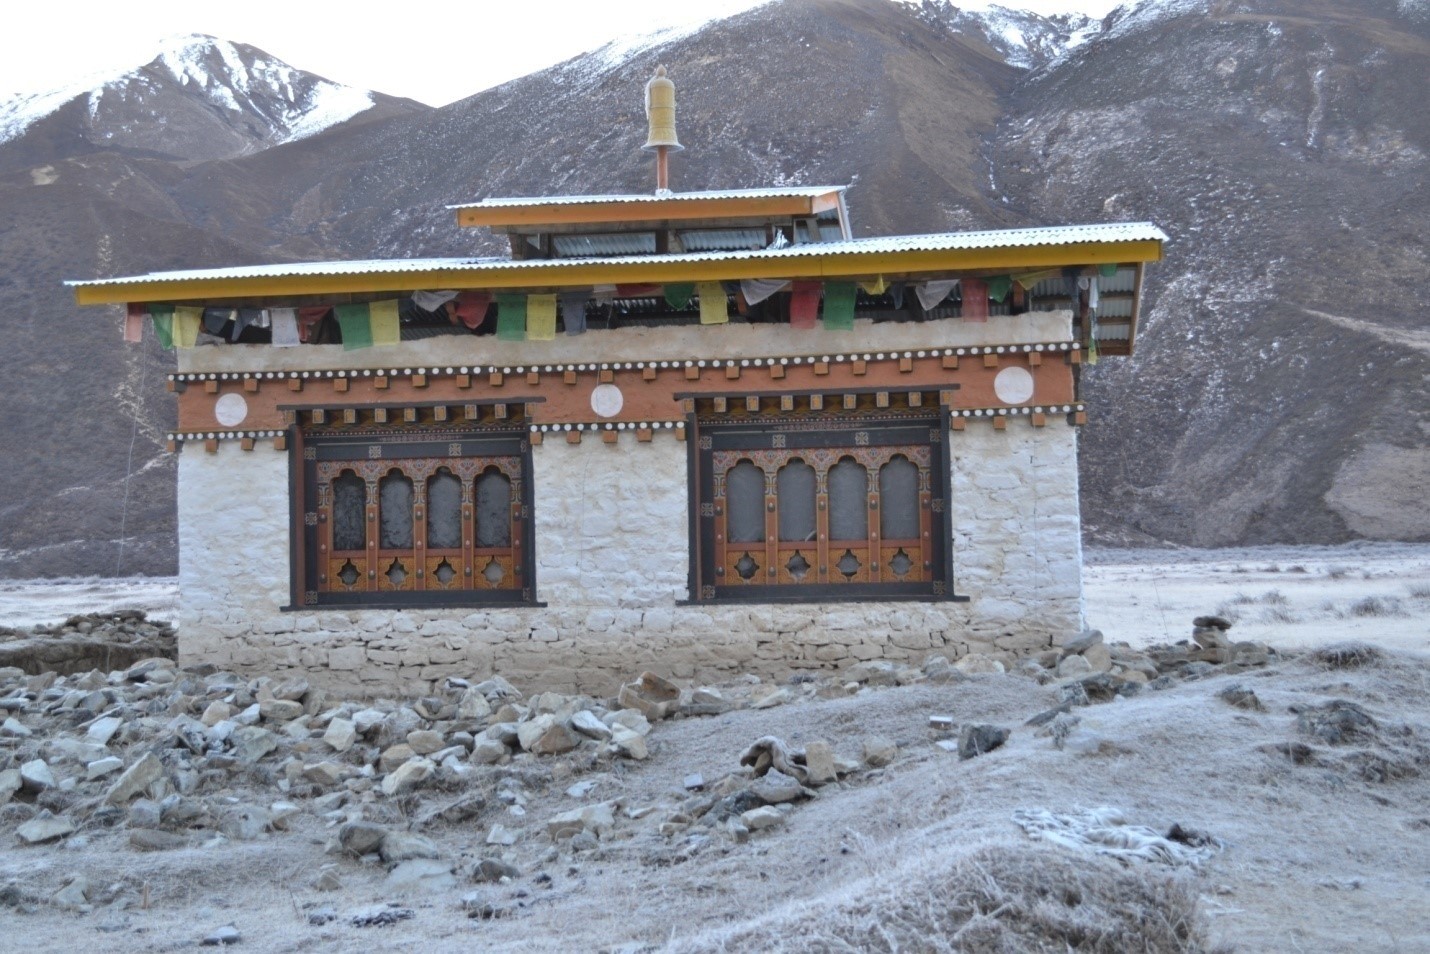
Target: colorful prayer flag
839, 300
386, 325
875, 287
356, 324
541, 317
804, 305
134, 323
187, 322
714, 307
975, 299
472, 308
677, 294
163, 318
511, 317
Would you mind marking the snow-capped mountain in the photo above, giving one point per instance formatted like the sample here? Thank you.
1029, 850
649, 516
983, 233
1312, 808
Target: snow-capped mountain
198, 98
1019, 38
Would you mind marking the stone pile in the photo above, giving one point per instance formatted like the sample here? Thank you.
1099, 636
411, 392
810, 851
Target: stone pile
91, 641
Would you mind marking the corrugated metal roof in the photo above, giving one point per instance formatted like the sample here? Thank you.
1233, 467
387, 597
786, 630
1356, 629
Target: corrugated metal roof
604, 244
709, 240
776, 193
949, 241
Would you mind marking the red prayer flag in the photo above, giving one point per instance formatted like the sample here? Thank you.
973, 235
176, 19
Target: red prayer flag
309, 317
975, 299
134, 323
639, 291
804, 304
472, 308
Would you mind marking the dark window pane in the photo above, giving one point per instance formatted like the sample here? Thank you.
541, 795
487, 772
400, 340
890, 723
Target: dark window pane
795, 489
444, 510
349, 512
848, 501
745, 503
493, 509
394, 494
899, 500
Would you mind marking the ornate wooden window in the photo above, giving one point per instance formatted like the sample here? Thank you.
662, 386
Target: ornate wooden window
821, 508
414, 518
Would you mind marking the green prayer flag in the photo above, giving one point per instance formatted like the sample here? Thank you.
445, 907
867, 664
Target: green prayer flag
356, 323
511, 317
999, 286
163, 318
1107, 271
839, 306
678, 294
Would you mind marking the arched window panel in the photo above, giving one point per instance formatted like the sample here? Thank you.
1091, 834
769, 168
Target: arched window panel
848, 501
349, 516
745, 503
795, 488
444, 510
394, 495
899, 499
493, 509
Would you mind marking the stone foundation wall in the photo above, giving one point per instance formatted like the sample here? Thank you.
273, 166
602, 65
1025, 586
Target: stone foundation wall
611, 527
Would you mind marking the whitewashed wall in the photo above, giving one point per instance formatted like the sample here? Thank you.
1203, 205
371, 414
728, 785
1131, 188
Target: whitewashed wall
611, 529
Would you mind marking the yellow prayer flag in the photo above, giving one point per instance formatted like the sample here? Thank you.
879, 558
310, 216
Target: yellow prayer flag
714, 307
1029, 279
382, 318
875, 287
187, 323
540, 317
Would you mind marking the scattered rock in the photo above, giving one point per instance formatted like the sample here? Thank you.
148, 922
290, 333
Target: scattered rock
360, 838
494, 869
35, 776
135, 779
399, 846
1241, 697
75, 895
341, 734
1338, 722
652, 696
879, 751
408, 776
758, 819
978, 664
222, 937
629, 743
421, 875
151, 839
381, 917
979, 738
44, 827
1073, 666
586, 723
1082, 642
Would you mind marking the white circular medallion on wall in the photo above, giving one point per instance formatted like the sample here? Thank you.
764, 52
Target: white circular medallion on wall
607, 400
230, 410
1013, 385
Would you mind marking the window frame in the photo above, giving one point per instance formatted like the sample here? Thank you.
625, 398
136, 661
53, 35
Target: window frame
719, 444
321, 455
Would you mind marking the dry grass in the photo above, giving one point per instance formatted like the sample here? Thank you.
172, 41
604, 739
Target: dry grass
1000, 897
1376, 606
1348, 655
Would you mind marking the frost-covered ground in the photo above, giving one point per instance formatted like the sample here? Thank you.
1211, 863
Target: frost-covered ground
1289, 597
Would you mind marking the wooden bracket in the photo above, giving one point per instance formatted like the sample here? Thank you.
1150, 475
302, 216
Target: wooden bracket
464, 380
610, 437
692, 373
777, 371
1035, 359
419, 380
495, 379
533, 378
569, 377
1000, 423
950, 362
648, 373
210, 387
956, 424
906, 365
606, 377
251, 385
644, 434
340, 385
379, 381
536, 438
859, 367
732, 372
990, 360
821, 367
573, 437
246, 443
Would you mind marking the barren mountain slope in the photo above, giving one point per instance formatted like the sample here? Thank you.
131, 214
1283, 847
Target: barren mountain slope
1280, 387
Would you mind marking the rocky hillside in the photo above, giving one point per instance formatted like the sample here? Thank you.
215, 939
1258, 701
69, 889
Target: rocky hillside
1278, 393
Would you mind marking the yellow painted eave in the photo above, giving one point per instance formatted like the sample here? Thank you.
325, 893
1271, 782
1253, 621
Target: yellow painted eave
558, 274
